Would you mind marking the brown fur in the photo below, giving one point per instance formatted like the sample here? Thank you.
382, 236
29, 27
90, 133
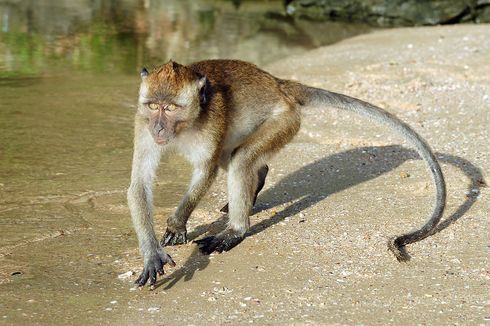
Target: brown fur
234, 115
169, 78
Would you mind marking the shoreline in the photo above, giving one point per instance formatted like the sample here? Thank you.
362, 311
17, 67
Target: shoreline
320, 254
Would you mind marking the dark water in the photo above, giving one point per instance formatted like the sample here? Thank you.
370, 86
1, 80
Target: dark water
68, 85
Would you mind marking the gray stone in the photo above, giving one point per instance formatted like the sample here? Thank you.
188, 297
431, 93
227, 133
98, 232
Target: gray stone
394, 12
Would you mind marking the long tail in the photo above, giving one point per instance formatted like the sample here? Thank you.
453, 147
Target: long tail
306, 95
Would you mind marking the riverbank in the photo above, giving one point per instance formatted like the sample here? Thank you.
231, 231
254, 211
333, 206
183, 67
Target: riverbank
318, 250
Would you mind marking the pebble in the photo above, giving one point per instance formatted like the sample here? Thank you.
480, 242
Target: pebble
153, 309
222, 290
404, 175
126, 275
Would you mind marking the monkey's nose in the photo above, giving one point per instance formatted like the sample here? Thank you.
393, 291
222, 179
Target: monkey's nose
158, 128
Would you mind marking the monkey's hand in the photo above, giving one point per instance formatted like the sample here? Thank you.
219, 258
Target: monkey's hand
154, 263
223, 241
171, 238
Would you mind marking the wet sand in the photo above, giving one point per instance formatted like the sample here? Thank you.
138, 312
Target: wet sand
317, 250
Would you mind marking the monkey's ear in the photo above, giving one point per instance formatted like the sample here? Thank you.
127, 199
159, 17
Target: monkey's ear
144, 73
201, 84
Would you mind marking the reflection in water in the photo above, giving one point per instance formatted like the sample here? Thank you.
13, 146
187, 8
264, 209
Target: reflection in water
121, 35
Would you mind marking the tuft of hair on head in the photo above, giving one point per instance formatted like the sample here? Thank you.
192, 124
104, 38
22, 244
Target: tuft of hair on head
168, 71
398, 250
172, 64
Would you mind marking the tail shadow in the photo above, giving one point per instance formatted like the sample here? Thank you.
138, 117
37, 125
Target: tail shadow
325, 177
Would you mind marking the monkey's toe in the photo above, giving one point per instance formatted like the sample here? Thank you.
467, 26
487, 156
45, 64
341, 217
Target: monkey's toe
171, 238
219, 243
224, 209
207, 245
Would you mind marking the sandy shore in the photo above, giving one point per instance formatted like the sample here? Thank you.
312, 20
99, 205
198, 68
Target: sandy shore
317, 253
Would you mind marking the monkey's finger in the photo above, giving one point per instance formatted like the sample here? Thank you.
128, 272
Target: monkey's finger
173, 238
153, 277
170, 261
138, 280
167, 238
143, 278
161, 272
182, 238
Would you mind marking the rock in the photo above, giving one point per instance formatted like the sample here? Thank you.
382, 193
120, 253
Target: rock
404, 175
153, 309
484, 14
394, 12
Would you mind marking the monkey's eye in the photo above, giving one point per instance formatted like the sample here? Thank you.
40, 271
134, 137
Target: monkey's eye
171, 107
153, 106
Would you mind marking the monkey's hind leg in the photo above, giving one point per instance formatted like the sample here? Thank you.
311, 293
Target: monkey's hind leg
262, 174
240, 192
246, 162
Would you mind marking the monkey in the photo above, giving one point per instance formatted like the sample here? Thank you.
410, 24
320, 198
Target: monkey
232, 115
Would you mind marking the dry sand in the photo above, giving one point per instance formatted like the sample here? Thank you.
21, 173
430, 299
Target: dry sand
341, 189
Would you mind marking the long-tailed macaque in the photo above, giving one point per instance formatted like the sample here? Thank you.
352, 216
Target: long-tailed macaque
233, 115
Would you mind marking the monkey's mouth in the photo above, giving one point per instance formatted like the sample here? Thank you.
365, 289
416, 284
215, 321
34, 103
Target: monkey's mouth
161, 140
160, 136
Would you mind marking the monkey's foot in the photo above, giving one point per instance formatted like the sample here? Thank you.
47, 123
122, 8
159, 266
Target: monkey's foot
171, 238
223, 241
153, 265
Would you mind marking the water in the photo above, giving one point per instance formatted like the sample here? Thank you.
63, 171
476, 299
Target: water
68, 84
119, 36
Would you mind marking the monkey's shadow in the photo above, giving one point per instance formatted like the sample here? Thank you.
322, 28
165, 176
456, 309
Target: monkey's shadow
316, 181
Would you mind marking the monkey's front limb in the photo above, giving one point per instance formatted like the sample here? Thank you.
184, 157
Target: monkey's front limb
202, 178
140, 200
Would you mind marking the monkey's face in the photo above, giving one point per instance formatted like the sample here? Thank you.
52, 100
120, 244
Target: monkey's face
170, 98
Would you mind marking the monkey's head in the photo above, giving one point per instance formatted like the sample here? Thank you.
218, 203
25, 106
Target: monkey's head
170, 98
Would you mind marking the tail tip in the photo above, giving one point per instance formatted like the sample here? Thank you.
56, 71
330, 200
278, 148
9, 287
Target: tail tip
398, 250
